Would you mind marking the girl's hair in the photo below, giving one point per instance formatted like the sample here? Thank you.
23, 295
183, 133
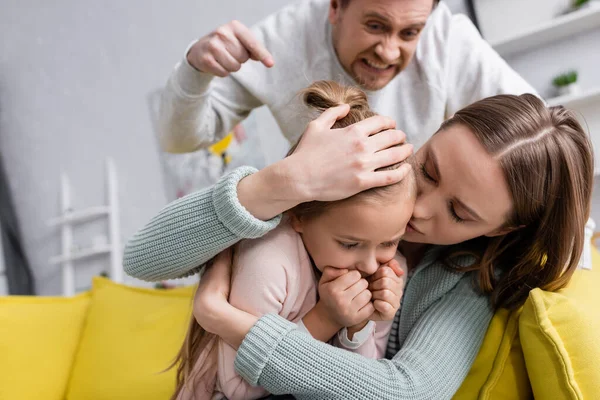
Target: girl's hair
323, 95
197, 343
547, 160
320, 96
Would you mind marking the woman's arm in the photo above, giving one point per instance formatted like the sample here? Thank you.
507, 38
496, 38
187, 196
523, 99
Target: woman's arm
329, 164
432, 362
190, 231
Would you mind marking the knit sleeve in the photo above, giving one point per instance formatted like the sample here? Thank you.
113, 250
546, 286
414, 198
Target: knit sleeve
432, 363
190, 231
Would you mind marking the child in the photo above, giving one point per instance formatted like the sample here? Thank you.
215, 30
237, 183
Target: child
279, 273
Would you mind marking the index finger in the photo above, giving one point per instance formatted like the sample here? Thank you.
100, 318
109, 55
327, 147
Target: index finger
373, 125
257, 51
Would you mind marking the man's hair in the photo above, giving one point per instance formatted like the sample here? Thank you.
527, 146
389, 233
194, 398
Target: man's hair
344, 3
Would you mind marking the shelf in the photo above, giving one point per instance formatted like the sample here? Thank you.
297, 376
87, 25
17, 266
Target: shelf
80, 215
80, 254
574, 100
556, 29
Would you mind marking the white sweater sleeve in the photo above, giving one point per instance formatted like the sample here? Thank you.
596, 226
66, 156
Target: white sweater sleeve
198, 109
475, 70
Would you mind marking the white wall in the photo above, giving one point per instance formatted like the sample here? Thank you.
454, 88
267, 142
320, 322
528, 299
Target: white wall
73, 81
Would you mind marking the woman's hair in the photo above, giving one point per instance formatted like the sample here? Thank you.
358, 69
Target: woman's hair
323, 95
546, 157
197, 343
319, 96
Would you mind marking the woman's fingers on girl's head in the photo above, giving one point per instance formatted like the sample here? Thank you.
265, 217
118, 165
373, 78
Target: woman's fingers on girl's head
391, 155
373, 125
387, 177
386, 139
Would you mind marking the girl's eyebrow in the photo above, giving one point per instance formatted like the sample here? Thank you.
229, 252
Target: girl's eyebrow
350, 238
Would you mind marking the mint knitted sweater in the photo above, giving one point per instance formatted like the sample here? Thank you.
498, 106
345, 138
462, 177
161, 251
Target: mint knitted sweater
436, 335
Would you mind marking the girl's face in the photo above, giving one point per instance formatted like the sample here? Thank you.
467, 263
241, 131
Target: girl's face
462, 192
361, 233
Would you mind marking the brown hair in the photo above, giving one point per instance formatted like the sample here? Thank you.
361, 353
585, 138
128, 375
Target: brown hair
322, 95
344, 3
197, 341
547, 160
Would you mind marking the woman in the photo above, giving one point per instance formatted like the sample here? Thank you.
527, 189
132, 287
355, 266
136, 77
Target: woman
506, 181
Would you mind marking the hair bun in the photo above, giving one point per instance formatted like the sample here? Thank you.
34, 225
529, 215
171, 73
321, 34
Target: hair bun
322, 95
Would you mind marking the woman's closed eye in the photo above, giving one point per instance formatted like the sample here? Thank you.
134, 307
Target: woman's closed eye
426, 174
451, 209
453, 213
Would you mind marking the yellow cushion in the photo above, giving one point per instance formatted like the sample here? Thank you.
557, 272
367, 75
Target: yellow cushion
38, 340
131, 335
560, 334
498, 372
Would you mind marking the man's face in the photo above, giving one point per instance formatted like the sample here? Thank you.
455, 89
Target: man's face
376, 39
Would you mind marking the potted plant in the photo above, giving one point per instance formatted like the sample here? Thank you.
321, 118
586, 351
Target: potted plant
566, 83
581, 4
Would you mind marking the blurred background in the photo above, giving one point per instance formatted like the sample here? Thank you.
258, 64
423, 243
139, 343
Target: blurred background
78, 88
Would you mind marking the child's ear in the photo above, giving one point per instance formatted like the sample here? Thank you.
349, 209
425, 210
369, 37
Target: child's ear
504, 230
296, 223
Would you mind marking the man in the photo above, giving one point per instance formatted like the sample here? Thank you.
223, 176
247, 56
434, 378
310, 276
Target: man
418, 63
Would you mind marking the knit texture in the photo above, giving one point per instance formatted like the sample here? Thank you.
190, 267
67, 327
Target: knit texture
438, 332
192, 230
442, 323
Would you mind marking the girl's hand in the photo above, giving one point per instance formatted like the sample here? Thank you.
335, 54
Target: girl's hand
387, 287
344, 296
211, 305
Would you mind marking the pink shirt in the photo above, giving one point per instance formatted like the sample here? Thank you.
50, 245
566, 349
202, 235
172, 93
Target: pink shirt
274, 275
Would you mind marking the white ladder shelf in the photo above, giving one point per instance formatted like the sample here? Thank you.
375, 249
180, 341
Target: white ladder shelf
70, 217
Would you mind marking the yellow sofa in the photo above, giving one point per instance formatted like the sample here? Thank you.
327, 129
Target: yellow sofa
115, 341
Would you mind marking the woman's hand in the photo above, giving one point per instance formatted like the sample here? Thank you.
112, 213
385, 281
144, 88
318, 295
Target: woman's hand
211, 305
387, 287
328, 164
333, 164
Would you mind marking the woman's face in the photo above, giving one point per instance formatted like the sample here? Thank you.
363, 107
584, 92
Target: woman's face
462, 193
